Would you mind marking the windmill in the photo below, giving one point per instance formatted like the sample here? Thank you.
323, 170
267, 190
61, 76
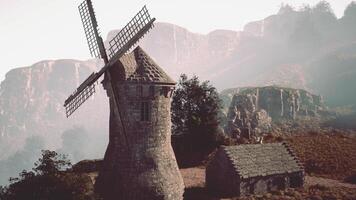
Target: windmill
119, 45
139, 162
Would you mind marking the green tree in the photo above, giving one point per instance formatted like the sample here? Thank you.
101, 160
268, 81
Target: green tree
195, 108
48, 180
51, 163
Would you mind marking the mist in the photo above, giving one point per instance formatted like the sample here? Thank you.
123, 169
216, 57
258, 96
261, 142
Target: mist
77, 144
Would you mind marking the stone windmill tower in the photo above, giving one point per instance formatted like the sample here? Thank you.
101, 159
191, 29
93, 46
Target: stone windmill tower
143, 163
139, 162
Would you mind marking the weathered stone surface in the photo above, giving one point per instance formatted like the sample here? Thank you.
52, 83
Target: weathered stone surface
244, 120
139, 162
252, 110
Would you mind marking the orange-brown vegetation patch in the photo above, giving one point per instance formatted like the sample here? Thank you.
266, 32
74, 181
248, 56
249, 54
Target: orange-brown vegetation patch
328, 160
326, 155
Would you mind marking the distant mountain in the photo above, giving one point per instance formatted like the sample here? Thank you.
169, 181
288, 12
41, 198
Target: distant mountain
308, 49
179, 51
31, 103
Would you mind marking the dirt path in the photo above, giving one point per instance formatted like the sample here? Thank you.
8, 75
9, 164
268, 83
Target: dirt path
312, 180
195, 177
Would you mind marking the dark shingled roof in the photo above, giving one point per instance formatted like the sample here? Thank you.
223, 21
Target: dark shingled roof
253, 160
139, 67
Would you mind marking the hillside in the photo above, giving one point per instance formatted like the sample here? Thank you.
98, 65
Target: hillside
332, 152
330, 155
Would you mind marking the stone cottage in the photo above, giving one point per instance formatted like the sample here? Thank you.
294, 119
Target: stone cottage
139, 162
253, 169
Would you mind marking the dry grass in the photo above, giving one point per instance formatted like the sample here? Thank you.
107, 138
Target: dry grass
326, 155
330, 156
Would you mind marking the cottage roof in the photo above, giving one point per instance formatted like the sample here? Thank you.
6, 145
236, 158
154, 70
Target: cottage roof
253, 160
140, 68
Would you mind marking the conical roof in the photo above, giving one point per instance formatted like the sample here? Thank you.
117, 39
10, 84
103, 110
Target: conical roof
140, 68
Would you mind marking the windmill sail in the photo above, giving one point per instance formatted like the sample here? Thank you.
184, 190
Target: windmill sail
131, 33
139, 25
83, 92
90, 26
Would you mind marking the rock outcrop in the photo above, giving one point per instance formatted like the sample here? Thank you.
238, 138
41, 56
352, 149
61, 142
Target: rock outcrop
252, 110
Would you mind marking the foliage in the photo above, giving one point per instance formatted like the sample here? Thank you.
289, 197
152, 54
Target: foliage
47, 180
350, 11
51, 163
323, 7
195, 109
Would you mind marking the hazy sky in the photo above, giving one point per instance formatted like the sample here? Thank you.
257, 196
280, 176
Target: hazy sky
35, 30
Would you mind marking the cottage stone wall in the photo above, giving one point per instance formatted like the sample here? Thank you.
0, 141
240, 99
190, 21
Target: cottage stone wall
221, 177
139, 162
262, 185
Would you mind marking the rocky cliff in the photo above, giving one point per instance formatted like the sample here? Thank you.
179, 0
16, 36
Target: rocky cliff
179, 51
31, 103
309, 48
253, 109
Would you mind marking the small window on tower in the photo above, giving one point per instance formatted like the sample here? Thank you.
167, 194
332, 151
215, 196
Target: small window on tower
152, 91
144, 111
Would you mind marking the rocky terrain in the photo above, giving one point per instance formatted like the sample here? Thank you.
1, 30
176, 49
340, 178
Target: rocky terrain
254, 111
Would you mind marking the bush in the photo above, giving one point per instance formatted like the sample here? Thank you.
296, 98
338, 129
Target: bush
48, 180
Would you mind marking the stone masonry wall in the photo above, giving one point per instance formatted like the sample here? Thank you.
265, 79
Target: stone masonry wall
141, 165
220, 176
